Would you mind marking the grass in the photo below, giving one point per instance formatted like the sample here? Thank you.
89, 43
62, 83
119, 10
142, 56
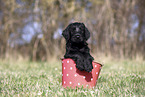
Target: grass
117, 78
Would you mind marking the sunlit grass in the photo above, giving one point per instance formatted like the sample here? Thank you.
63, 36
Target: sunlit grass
117, 78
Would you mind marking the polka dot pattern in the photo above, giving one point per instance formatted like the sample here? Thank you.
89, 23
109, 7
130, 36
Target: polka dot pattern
96, 72
78, 83
91, 79
68, 61
70, 68
72, 77
70, 82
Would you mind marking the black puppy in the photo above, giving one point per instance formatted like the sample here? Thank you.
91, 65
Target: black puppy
76, 35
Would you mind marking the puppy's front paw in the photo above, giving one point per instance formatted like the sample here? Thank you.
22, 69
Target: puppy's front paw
89, 69
79, 65
88, 66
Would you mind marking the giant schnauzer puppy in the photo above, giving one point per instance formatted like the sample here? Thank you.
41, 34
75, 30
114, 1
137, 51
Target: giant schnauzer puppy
76, 35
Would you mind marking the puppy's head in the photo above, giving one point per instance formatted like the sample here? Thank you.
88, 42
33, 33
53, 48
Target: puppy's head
76, 32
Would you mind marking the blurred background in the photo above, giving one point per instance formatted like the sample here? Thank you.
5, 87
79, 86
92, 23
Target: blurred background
31, 29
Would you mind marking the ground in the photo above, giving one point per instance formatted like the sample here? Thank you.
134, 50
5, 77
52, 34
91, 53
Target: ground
26, 78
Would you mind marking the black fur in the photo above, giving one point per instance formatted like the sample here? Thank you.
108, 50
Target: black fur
76, 35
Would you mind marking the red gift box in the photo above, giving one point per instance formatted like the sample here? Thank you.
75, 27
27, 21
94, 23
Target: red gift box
72, 77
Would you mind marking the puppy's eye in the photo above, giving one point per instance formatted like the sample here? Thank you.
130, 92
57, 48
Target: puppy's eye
82, 29
73, 29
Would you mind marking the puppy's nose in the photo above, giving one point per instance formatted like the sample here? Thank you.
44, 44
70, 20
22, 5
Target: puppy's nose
78, 36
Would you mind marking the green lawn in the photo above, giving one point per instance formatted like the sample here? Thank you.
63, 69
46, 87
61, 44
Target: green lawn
117, 78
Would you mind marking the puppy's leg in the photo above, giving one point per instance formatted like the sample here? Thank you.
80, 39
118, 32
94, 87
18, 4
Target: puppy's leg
78, 60
88, 63
80, 64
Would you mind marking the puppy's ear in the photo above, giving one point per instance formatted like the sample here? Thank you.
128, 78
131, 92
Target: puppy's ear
87, 33
66, 33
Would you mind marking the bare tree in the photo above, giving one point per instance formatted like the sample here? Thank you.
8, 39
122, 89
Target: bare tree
116, 26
